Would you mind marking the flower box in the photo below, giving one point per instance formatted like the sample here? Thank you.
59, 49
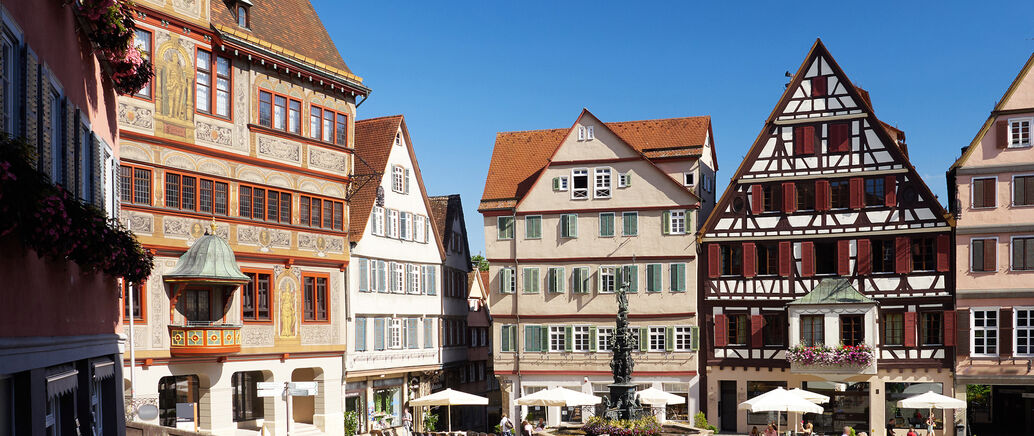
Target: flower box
854, 359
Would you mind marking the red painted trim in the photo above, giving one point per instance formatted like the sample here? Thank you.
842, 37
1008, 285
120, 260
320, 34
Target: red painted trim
315, 295
166, 250
605, 259
570, 372
213, 84
132, 185
296, 137
272, 299
155, 17
231, 219
239, 358
509, 212
599, 315
150, 83
183, 146
593, 161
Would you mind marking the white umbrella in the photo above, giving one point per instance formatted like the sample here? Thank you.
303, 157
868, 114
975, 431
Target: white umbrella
558, 396
657, 397
779, 400
814, 397
450, 398
931, 400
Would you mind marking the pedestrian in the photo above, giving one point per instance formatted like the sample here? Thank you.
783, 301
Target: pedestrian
771, 430
407, 421
754, 431
891, 425
930, 423
506, 426
809, 428
526, 429
912, 431
847, 431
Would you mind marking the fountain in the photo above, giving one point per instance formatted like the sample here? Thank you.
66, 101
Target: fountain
623, 403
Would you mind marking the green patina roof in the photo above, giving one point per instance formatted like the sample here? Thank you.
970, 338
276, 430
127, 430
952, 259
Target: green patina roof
833, 291
210, 259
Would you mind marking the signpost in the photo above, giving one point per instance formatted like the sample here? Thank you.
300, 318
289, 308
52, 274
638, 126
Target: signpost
287, 390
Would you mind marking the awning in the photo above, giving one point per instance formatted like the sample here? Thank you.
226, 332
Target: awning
62, 383
103, 368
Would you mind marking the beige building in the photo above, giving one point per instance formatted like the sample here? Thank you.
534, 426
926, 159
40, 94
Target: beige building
569, 211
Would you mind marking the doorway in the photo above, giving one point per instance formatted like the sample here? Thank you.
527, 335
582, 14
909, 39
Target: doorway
727, 405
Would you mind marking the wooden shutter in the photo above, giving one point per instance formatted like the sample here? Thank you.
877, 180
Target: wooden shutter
756, 323
1005, 332
1002, 133
798, 141
804, 140
990, 254
839, 137
949, 328
757, 199
364, 275
666, 222
789, 197
749, 260
721, 330
822, 195
990, 187
807, 259
962, 332
818, 86
568, 338
910, 329
544, 338
644, 338
844, 257
864, 256
556, 183
857, 193
943, 248
902, 255
890, 194
592, 338
669, 339
785, 258
713, 261
405, 182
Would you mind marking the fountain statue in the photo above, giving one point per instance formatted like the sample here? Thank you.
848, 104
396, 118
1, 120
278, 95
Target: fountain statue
623, 403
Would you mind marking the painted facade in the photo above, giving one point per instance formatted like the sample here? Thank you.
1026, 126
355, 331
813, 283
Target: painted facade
238, 135
569, 211
989, 185
395, 280
826, 200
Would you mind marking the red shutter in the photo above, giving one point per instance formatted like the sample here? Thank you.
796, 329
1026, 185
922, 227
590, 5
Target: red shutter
749, 260
822, 195
785, 258
949, 328
818, 86
721, 331
756, 322
713, 254
757, 199
807, 259
839, 137
902, 255
798, 140
1002, 134
809, 139
864, 257
990, 255
890, 185
789, 197
910, 329
857, 193
844, 257
942, 252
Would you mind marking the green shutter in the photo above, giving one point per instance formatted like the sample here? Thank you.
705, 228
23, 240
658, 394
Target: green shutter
544, 338
504, 281
592, 338
666, 222
628, 179
531, 342
572, 223
644, 339
694, 340
669, 338
504, 338
556, 183
568, 338
633, 278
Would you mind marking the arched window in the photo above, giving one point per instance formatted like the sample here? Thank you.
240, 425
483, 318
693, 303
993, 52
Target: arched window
242, 16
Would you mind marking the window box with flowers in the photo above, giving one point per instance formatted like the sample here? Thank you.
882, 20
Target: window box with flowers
844, 359
110, 26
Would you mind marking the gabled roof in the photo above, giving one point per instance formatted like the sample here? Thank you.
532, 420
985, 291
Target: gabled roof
288, 27
440, 215
833, 291
518, 157
374, 139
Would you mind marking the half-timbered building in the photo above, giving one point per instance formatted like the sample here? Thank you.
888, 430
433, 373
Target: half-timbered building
827, 237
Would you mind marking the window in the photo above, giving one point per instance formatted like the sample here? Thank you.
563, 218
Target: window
771, 198
589, 134
246, 403
629, 223
985, 331
840, 194
560, 183
1019, 133
242, 16
203, 84
533, 338
508, 338
557, 338
624, 180
257, 297
531, 281
1022, 191
678, 277
138, 300
773, 332
280, 112
142, 43
294, 116
580, 280
555, 279
983, 255
767, 259
874, 192
398, 179
931, 328
430, 280
317, 305
581, 133
629, 274
504, 227
377, 221
174, 390
398, 277
602, 183
392, 223
328, 126
264, 204
813, 332
882, 255
413, 285
852, 330
222, 87
730, 257
135, 185
321, 212
825, 258
608, 279
984, 190
7, 84
687, 179
579, 184
405, 226
603, 338
341, 129
569, 225
893, 328
657, 336
739, 326
532, 227
315, 117
507, 281
654, 277
86, 158
924, 257
420, 229
1024, 330
684, 338
607, 224
58, 142
805, 196
1023, 253
676, 222
580, 342
395, 333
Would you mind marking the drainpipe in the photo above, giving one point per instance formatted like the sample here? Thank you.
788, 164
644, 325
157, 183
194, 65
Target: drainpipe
517, 312
132, 351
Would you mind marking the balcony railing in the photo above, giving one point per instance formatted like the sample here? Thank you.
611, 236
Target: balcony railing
204, 339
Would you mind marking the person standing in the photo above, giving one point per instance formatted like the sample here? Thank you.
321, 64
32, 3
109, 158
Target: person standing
890, 426
407, 421
506, 426
526, 429
930, 423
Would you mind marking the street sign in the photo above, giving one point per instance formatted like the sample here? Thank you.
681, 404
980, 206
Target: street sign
270, 392
269, 385
301, 385
301, 392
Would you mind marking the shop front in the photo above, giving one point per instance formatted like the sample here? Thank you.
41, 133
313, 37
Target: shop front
848, 406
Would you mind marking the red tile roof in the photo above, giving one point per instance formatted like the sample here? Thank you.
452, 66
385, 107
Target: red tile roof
373, 140
510, 177
439, 214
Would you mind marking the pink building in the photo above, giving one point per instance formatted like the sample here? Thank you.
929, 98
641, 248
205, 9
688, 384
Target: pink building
992, 184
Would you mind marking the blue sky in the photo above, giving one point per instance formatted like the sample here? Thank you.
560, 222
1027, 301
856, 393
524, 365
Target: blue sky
462, 71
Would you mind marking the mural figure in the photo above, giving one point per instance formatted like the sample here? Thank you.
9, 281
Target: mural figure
174, 81
288, 309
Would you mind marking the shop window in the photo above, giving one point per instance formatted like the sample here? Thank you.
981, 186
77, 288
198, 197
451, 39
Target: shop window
905, 418
178, 398
247, 405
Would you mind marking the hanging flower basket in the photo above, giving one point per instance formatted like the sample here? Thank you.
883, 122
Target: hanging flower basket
110, 26
844, 355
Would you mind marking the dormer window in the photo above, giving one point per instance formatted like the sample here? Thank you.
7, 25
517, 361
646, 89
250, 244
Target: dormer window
243, 10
